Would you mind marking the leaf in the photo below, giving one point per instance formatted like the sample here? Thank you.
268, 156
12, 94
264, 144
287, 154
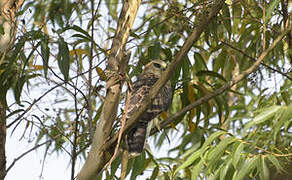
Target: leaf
78, 52
224, 169
227, 19
85, 38
247, 168
185, 75
154, 51
112, 8
63, 60
154, 173
19, 86
211, 73
263, 116
79, 29
14, 112
198, 153
115, 165
219, 149
197, 169
285, 116
189, 160
264, 170
191, 96
134, 35
275, 162
212, 137
45, 50
237, 154
138, 166
101, 73
271, 9
200, 63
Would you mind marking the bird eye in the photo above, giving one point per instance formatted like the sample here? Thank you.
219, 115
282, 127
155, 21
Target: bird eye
157, 65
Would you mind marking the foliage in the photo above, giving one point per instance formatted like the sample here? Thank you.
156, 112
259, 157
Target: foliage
244, 133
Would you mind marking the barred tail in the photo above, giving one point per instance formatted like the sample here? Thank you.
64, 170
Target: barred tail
136, 138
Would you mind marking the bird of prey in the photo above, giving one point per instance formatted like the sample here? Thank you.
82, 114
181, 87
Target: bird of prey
136, 136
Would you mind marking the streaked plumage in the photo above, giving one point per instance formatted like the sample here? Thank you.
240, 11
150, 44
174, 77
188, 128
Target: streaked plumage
135, 138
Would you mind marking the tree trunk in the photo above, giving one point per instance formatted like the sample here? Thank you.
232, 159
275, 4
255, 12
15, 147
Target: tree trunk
2, 141
8, 9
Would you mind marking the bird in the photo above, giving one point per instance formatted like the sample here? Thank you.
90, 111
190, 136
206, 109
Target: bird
136, 136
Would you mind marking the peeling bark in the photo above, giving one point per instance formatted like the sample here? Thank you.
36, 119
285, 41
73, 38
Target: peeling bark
117, 63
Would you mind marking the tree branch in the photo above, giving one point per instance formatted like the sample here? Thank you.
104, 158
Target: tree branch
225, 87
25, 153
171, 68
116, 68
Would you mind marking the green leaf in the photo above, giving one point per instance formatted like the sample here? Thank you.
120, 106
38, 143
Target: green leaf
115, 166
45, 50
200, 63
263, 116
138, 166
212, 137
211, 73
19, 86
79, 29
154, 173
185, 75
154, 51
189, 160
14, 112
112, 8
264, 170
198, 153
271, 9
227, 19
275, 162
237, 154
247, 168
2, 32
64, 58
225, 168
286, 116
197, 169
218, 150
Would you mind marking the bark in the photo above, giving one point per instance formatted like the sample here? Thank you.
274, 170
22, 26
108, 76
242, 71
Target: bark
2, 141
8, 9
197, 31
117, 63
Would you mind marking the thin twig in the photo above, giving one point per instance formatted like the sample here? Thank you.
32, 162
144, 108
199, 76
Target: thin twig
188, 44
263, 64
25, 153
89, 106
225, 87
43, 95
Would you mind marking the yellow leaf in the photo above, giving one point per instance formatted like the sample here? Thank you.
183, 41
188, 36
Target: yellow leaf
164, 115
228, 2
78, 52
101, 73
191, 94
192, 126
38, 67
172, 125
42, 25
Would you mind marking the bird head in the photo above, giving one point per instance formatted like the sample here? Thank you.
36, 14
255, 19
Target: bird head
155, 67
